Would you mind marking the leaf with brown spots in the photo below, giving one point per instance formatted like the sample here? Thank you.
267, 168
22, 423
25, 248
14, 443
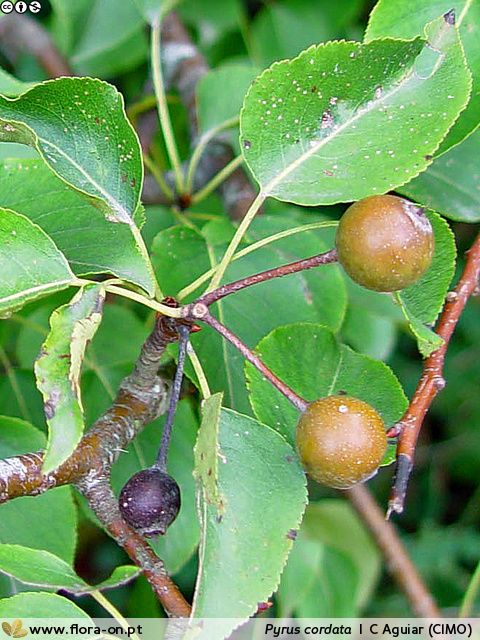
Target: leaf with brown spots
72, 326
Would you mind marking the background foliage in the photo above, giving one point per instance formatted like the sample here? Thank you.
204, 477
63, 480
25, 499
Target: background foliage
330, 336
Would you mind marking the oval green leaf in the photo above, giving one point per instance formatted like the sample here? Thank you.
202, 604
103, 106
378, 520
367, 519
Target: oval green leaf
30, 264
311, 361
398, 19
264, 495
344, 120
90, 243
58, 369
80, 128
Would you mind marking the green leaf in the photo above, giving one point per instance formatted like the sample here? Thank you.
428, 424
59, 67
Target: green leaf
111, 38
30, 263
154, 10
58, 371
329, 588
451, 185
90, 243
179, 255
177, 546
28, 521
43, 569
10, 86
422, 302
396, 19
220, 94
345, 120
120, 576
336, 524
264, 498
206, 450
368, 332
79, 127
40, 605
326, 575
38, 568
282, 30
301, 574
213, 20
311, 361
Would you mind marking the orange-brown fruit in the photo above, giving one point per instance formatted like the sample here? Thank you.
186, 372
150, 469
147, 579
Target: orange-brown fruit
385, 243
341, 441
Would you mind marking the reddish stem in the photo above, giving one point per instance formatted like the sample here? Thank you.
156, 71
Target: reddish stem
278, 272
432, 380
200, 312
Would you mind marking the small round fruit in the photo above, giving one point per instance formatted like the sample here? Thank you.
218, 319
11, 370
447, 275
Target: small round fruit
385, 243
150, 501
341, 441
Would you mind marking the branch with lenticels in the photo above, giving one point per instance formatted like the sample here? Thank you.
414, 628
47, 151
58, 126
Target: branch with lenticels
432, 380
142, 396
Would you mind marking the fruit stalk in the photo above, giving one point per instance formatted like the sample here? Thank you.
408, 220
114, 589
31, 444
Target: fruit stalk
161, 461
278, 272
297, 401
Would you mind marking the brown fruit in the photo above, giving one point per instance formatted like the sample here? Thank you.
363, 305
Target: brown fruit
341, 441
385, 243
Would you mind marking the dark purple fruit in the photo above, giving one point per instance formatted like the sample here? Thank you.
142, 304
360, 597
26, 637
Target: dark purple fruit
385, 243
150, 501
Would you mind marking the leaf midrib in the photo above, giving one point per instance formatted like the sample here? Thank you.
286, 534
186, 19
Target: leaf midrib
113, 202
371, 105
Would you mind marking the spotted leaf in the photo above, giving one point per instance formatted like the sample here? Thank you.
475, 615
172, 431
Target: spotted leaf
395, 18
58, 371
344, 120
79, 127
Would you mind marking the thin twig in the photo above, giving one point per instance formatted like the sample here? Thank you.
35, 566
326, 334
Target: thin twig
161, 461
200, 312
254, 247
432, 380
328, 257
399, 563
162, 107
21, 33
184, 67
217, 180
142, 396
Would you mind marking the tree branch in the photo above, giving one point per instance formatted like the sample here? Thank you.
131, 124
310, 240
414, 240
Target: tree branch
432, 380
184, 66
399, 563
328, 257
22, 33
141, 398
